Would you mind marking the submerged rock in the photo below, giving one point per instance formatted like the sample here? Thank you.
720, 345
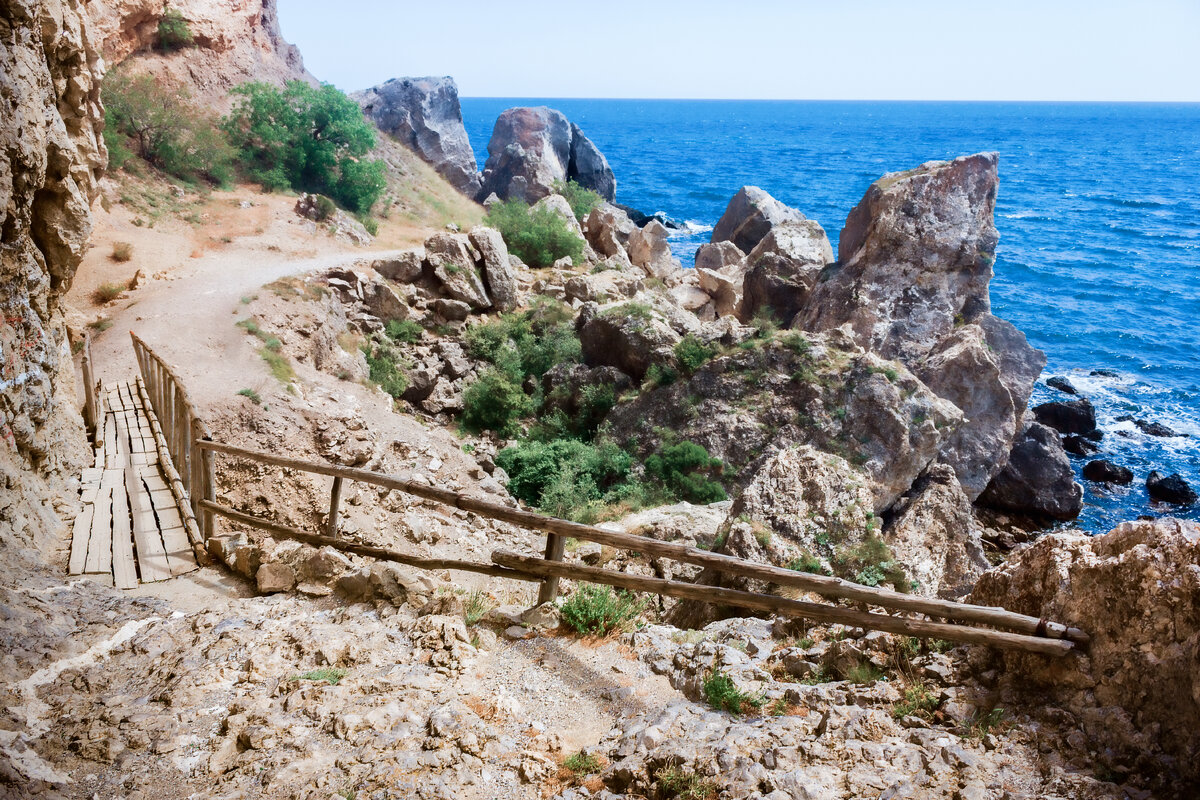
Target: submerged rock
533, 148
424, 115
1037, 480
1170, 489
1079, 446
1104, 471
749, 216
1068, 416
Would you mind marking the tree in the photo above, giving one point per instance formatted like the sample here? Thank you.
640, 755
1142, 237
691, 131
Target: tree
307, 138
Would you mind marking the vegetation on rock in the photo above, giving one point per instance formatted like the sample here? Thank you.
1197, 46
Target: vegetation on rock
599, 610
537, 235
581, 199
174, 33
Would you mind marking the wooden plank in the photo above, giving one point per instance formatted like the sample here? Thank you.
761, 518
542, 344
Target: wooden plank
782, 605
99, 552
110, 440
555, 546
179, 551
820, 584
80, 533
90, 475
151, 553
124, 569
112, 478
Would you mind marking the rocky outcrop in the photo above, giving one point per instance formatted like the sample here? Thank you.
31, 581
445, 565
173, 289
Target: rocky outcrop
649, 249
51, 154
1134, 694
424, 114
783, 268
626, 336
533, 148
234, 41
1067, 416
496, 267
1104, 471
608, 229
915, 259
1171, 489
1037, 480
718, 255
749, 216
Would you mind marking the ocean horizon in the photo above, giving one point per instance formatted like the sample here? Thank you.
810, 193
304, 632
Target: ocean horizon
1098, 213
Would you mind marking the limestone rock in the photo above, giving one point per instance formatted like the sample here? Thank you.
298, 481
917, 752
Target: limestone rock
783, 267
718, 255
1037, 480
497, 269
452, 261
1135, 693
650, 249
424, 114
274, 577
725, 290
533, 148
749, 216
608, 229
404, 268
630, 340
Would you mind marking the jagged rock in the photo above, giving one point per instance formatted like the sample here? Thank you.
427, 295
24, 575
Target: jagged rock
274, 577
718, 255
1061, 384
404, 268
1037, 480
497, 269
725, 290
603, 287
934, 534
625, 337
608, 229
749, 216
452, 261
451, 310
689, 297
1171, 489
385, 302
1104, 471
1069, 416
650, 250
424, 115
1134, 692
783, 267
340, 224
565, 385
1150, 428
1078, 445
533, 148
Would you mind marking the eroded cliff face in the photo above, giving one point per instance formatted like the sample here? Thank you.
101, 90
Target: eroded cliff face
235, 41
51, 154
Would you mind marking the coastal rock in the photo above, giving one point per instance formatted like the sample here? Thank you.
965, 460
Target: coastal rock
725, 290
625, 337
934, 534
749, 216
783, 267
1037, 479
1171, 489
1061, 384
451, 259
1104, 471
1150, 428
607, 229
1079, 446
497, 269
1134, 693
650, 250
533, 148
425, 116
718, 255
1067, 416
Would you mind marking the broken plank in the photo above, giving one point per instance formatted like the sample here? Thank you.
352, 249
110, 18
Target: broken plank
99, 549
179, 551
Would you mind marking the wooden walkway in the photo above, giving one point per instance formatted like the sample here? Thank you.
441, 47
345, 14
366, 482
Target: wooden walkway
130, 526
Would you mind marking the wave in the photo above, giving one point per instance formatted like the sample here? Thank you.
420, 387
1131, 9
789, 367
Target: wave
692, 226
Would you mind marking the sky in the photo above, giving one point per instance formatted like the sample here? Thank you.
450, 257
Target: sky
1141, 50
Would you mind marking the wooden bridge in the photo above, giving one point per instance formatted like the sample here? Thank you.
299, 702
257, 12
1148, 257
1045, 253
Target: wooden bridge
190, 447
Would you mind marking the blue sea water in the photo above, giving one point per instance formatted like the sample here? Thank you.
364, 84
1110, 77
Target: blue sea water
1098, 213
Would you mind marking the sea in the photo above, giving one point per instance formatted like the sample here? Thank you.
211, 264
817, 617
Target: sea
1098, 213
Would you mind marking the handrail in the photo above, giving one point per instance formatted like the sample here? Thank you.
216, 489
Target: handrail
823, 585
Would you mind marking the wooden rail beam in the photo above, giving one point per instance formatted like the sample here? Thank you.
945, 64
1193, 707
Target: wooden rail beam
782, 605
820, 584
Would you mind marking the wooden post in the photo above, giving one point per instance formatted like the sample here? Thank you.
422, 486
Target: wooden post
335, 499
209, 492
196, 475
89, 388
555, 547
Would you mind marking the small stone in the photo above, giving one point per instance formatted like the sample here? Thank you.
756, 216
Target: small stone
275, 577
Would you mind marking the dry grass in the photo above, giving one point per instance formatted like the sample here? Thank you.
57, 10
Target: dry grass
107, 292
122, 251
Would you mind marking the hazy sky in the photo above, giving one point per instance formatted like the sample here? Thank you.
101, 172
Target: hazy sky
854, 49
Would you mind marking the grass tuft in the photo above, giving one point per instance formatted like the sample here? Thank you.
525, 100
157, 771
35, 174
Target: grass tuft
330, 675
253, 395
106, 293
582, 763
599, 610
121, 252
722, 694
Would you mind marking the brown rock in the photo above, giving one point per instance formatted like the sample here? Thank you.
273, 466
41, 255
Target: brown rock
275, 577
531, 149
782, 269
749, 216
718, 255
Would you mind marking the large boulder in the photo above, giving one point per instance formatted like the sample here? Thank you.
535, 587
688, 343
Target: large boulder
1135, 692
1037, 480
650, 249
497, 269
718, 255
1067, 416
1171, 489
607, 229
628, 336
749, 216
451, 259
424, 115
783, 267
533, 148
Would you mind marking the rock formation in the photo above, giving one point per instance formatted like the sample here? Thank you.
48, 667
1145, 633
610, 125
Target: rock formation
749, 216
424, 115
51, 154
1135, 694
235, 41
532, 148
783, 268
1037, 479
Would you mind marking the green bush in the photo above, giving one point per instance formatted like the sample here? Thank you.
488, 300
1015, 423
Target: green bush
495, 402
385, 366
807, 562
527, 343
160, 126
692, 353
538, 236
306, 138
722, 694
871, 563
599, 610
564, 476
684, 469
581, 200
582, 763
174, 33
404, 330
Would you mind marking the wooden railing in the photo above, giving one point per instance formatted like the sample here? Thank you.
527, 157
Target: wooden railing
1023, 632
91, 415
176, 427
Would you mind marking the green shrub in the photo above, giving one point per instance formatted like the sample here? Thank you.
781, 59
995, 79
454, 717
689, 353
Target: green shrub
807, 562
252, 395
684, 470
797, 342
527, 343
476, 607
330, 675
582, 763
386, 368
406, 331
581, 200
160, 126
918, 701
174, 33
722, 694
692, 353
107, 292
871, 563
496, 402
675, 784
538, 236
564, 476
306, 138
599, 610
660, 375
